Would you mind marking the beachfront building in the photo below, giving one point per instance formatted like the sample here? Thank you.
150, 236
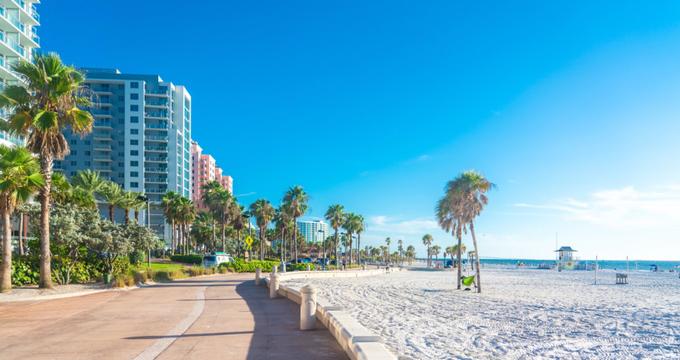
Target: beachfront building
205, 170
141, 138
565, 258
19, 21
313, 230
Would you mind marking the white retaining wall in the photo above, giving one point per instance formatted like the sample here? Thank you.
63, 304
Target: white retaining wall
358, 342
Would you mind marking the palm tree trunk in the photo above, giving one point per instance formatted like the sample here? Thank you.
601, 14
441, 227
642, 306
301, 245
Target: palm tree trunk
137, 216
21, 234
173, 241
458, 255
359, 248
283, 244
295, 245
6, 270
127, 216
45, 193
474, 242
262, 230
111, 212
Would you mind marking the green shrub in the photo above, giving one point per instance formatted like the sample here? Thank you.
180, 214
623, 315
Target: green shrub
188, 259
299, 267
241, 266
25, 271
137, 257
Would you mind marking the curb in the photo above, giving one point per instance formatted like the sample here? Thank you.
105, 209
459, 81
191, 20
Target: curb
358, 342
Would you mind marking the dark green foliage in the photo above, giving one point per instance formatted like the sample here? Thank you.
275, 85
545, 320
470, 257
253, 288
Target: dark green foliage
188, 259
25, 271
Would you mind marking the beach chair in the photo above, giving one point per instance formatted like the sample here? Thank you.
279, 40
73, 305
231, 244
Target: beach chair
468, 281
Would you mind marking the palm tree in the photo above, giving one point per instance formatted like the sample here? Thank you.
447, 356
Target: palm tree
435, 251
169, 203
336, 216
20, 178
185, 213
284, 226
350, 225
47, 103
410, 253
360, 226
264, 213
452, 250
113, 195
129, 200
427, 241
296, 202
89, 181
209, 199
238, 223
388, 241
400, 247
464, 199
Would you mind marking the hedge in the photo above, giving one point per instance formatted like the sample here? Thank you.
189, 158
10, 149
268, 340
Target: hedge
240, 266
188, 259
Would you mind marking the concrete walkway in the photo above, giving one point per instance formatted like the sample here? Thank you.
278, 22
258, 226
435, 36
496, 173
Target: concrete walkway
217, 317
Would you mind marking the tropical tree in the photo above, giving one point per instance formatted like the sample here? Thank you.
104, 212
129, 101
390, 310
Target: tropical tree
336, 216
427, 241
113, 195
20, 178
238, 222
169, 203
47, 102
400, 248
360, 226
410, 254
296, 202
264, 213
436, 249
284, 225
464, 199
388, 241
350, 225
453, 250
89, 181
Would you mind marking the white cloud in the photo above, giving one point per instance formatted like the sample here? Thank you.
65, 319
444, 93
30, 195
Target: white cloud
621, 208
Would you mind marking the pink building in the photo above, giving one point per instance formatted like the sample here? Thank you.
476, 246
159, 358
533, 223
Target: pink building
205, 170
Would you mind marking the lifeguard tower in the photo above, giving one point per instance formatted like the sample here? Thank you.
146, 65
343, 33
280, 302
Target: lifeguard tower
565, 258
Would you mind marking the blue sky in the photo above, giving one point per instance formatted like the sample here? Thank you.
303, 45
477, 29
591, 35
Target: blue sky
570, 107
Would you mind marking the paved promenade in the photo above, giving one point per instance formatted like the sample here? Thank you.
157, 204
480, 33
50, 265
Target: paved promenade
216, 317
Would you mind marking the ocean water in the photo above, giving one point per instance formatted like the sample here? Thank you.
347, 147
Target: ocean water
639, 265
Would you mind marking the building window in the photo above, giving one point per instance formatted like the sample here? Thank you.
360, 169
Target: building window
87, 153
134, 152
134, 142
134, 119
134, 184
134, 163
134, 174
134, 107
74, 163
134, 131
134, 96
134, 85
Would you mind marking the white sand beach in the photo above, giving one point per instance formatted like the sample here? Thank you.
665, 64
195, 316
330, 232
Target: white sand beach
522, 314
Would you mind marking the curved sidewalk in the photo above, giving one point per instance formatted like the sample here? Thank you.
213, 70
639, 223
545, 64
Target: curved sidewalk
216, 317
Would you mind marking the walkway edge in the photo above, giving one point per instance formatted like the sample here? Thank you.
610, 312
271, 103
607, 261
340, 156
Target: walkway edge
358, 342
160, 345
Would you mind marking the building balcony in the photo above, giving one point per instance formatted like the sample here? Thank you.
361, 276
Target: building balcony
102, 160
161, 149
156, 159
155, 138
101, 137
155, 170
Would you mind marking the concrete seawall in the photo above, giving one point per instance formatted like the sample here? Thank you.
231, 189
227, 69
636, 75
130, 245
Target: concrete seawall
358, 342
